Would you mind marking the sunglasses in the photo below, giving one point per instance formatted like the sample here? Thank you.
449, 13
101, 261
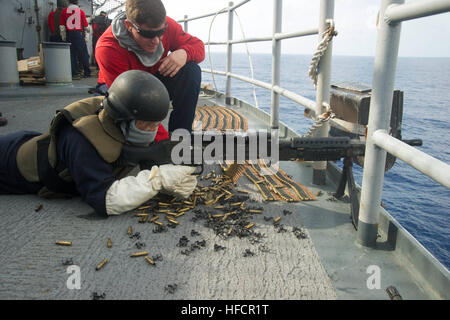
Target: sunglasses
149, 33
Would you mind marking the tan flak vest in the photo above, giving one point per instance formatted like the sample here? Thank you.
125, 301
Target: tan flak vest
99, 129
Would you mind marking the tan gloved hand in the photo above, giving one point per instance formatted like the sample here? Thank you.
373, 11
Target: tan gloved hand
130, 192
178, 180
62, 30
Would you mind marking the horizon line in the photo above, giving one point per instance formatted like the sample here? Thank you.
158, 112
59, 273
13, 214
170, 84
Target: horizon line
339, 55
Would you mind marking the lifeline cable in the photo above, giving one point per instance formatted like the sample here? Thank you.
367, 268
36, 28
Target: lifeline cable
246, 45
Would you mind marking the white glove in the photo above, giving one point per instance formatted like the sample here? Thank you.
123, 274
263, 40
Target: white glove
62, 30
130, 192
178, 180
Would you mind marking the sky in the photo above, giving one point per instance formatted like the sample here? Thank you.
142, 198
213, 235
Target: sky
355, 22
354, 19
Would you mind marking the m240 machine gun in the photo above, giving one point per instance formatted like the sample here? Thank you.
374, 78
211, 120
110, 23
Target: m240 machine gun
199, 148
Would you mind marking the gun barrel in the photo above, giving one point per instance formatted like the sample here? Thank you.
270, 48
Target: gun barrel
209, 147
320, 149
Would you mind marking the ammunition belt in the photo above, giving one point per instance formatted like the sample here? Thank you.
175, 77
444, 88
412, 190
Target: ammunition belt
199, 117
220, 118
290, 187
260, 183
275, 184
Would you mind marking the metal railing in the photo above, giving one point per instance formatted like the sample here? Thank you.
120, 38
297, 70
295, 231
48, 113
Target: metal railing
309, 104
315, 108
276, 37
392, 13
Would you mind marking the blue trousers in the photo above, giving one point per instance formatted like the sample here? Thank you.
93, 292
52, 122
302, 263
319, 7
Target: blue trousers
11, 181
78, 52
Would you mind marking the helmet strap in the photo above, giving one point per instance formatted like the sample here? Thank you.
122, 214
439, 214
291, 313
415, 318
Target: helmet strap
99, 109
127, 129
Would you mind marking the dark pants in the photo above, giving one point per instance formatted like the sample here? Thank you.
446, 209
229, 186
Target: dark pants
183, 90
94, 44
11, 181
100, 89
78, 51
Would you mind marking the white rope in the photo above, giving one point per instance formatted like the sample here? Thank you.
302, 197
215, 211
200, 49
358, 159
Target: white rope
321, 120
327, 36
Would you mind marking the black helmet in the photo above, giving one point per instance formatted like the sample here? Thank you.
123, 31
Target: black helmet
137, 95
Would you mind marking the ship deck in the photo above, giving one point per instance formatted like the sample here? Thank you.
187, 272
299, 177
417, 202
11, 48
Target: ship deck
327, 264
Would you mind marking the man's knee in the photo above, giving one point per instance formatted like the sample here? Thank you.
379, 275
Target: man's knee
193, 66
192, 70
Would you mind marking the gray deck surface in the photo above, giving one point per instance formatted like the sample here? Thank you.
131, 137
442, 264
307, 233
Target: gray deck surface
325, 265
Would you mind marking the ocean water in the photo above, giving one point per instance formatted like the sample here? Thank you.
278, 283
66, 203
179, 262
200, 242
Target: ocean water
419, 204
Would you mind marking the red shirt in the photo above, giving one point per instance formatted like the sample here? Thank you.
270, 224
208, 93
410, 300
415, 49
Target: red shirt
114, 59
95, 32
75, 23
50, 22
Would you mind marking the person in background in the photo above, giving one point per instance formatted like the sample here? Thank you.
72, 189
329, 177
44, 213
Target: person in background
141, 38
54, 18
84, 152
73, 22
99, 26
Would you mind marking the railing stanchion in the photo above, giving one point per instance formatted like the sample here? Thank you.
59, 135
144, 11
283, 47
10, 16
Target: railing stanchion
186, 23
323, 86
276, 58
379, 116
229, 53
